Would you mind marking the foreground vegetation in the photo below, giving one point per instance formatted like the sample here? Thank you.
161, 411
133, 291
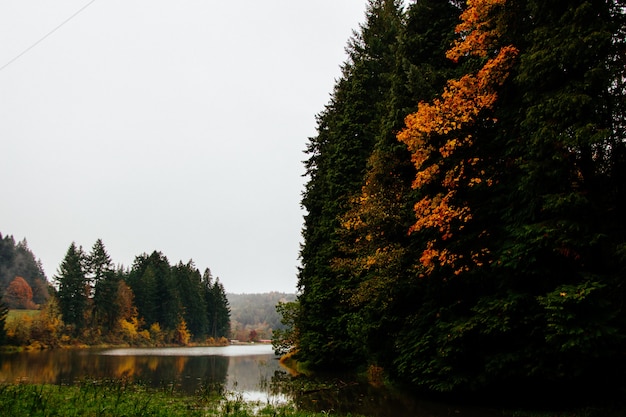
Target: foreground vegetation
123, 398
119, 398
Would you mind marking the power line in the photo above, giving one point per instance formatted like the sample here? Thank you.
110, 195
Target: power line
47, 35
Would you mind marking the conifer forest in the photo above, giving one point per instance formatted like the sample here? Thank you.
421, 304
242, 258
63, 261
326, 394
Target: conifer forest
465, 199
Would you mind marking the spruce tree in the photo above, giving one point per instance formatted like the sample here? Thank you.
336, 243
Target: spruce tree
73, 287
219, 311
376, 249
337, 162
104, 281
189, 284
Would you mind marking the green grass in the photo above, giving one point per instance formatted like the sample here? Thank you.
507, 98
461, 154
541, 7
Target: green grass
18, 314
119, 398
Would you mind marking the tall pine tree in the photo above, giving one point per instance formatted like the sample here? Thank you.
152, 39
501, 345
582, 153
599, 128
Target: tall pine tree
73, 287
347, 130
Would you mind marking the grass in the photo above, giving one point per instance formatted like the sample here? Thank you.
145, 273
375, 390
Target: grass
120, 398
18, 314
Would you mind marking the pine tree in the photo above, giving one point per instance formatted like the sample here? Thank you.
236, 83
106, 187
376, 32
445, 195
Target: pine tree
377, 251
73, 287
219, 311
189, 284
104, 281
156, 296
347, 130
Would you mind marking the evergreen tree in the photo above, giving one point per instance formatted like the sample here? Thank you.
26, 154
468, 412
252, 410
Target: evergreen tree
377, 250
217, 306
73, 287
142, 281
338, 155
189, 284
104, 281
156, 296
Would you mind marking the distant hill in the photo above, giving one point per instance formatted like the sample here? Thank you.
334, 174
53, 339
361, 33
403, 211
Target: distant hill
256, 312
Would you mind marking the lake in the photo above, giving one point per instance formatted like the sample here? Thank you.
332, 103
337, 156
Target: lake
251, 371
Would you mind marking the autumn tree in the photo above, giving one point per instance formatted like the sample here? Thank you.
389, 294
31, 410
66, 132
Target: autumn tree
48, 325
509, 164
74, 290
19, 295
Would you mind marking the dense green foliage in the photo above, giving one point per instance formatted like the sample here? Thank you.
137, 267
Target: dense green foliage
486, 248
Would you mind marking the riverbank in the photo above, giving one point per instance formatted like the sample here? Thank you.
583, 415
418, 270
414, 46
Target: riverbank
35, 346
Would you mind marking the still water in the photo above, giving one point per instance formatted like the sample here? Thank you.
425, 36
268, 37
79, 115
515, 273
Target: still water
252, 371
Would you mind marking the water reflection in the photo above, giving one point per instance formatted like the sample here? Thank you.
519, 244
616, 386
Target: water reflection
242, 368
253, 372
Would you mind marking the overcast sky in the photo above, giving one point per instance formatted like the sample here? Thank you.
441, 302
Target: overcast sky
175, 126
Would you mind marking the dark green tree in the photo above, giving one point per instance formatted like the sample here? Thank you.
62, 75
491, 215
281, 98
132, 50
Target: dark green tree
73, 287
377, 251
104, 280
156, 296
559, 257
189, 284
346, 134
217, 306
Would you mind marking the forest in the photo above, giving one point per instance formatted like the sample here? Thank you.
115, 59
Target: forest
152, 303
465, 198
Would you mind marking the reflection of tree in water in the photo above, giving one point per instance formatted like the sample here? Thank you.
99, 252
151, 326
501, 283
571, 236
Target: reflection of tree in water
69, 366
345, 395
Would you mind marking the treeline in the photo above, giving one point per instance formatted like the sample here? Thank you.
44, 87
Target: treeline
151, 303
465, 202
254, 316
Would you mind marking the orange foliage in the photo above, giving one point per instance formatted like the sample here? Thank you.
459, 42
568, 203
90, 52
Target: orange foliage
19, 295
463, 103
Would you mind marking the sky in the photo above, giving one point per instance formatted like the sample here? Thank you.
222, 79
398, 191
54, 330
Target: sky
176, 126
